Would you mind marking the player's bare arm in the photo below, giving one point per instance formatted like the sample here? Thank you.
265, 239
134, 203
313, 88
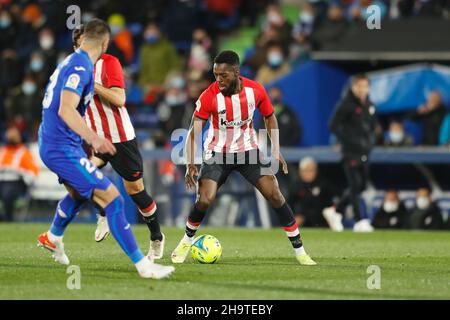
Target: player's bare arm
114, 95
70, 115
196, 127
272, 124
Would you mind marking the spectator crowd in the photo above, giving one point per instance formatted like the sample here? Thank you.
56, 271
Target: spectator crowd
167, 47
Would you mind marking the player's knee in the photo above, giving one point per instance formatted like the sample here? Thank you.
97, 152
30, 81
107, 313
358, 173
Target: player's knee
205, 201
133, 187
276, 198
104, 197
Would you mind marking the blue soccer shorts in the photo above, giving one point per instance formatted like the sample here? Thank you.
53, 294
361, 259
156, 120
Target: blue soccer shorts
73, 168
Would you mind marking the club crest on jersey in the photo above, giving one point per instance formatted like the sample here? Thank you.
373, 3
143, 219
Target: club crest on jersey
99, 174
72, 81
239, 123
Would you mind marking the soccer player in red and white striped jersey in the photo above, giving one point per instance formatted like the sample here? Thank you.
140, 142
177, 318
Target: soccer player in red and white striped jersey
231, 145
108, 117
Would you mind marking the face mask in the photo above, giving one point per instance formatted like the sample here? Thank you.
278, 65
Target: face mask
390, 206
28, 88
46, 43
396, 136
275, 59
5, 23
177, 82
423, 203
151, 39
85, 17
306, 17
274, 18
115, 29
36, 65
173, 100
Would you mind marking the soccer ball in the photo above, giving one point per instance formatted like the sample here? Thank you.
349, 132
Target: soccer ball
206, 249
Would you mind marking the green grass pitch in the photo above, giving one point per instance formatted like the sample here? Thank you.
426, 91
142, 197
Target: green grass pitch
256, 264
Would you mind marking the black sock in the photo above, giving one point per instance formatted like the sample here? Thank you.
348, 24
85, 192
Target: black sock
101, 211
146, 205
194, 220
287, 220
285, 215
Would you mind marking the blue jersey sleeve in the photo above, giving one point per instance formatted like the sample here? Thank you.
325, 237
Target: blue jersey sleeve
77, 78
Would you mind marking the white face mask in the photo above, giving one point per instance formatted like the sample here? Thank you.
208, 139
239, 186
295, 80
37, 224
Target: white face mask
46, 43
28, 88
306, 17
396, 136
274, 18
423, 203
390, 206
275, 59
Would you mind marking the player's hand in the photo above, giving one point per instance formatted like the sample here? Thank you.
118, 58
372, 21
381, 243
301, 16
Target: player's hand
279, 157
191, 174
101, 145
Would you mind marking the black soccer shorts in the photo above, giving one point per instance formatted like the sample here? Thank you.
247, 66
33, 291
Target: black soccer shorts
127, 161
250, 164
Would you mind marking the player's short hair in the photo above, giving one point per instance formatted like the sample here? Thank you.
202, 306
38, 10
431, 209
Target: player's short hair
76, 34
359, 76
228, 57
96, 29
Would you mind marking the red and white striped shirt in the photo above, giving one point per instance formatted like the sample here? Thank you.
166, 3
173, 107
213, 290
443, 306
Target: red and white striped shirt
231, 128
107, 120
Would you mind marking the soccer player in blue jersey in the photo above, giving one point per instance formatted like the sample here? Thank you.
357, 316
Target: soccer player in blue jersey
60, 146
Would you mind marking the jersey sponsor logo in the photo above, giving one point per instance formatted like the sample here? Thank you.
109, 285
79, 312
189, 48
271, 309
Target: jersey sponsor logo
223, 112
239, 123
72, 81
80, 69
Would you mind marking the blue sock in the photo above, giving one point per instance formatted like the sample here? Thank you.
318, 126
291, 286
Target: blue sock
67, 209
121, 230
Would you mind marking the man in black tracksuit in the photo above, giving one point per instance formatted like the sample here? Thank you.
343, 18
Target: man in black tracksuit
353, 123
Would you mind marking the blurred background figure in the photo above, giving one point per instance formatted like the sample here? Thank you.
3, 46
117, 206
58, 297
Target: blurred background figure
392, 213
332, 28
430, 115
396, 136
121, 45
275, 66
158, 58
172, 110
18, 170
23, 107
290, 130
312, 198
276, 21
353, 123
202, 51
426, 213
301, 33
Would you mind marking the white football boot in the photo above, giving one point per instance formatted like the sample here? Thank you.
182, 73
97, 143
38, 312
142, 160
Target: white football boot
148, 269
333, 219
55, 246
102, 230
363, 226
